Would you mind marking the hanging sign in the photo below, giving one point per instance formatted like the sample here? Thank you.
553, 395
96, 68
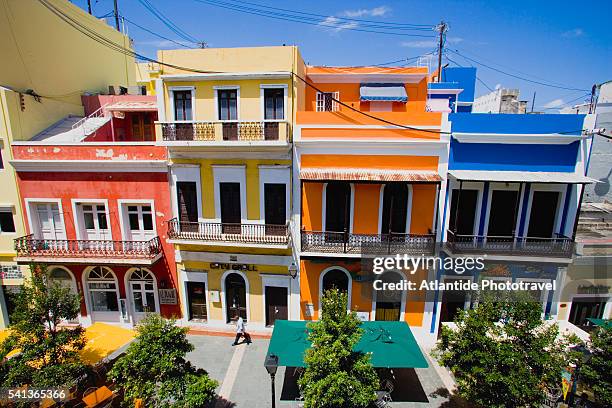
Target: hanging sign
566, 383
167, 297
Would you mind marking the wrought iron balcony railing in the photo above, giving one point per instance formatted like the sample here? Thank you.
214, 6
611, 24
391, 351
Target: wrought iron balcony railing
28, 246
383, 244
558, 246
224, 131
227, 232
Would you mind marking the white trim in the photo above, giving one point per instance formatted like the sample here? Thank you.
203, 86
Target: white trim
171, 90
160, 98
402, 315
224, 257
467, 185
34, 226
281, 281
248, 291
280, 174
607, 312
216, 90
121, 203
229, 173
130, 296
91, 166
408, 208
226, 76
510, 138
352, 78
559, 188
77, 215
262, 103
74, 285
187, 173
87, 295
350, 287
351, 207
185, 276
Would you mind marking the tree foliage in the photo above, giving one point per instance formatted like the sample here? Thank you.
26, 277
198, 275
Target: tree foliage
48, 354
155, 370
597, 371
335, 375
503, 355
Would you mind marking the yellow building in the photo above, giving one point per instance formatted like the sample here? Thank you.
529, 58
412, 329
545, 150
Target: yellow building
228, 130
46, 66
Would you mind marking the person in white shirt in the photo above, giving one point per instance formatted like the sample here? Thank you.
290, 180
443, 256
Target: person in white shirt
240, 331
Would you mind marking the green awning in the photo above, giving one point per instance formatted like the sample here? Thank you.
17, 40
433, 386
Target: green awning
391, 344
605, 323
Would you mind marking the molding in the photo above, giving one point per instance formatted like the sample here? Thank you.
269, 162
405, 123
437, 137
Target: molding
124, 216
191, 89
402, 316
84, 144
87, 296
216, 90
247, 295
31, 212
508, 138
344, 78
224, 257
91, 166
271, 174
350, 287
130, 295
79, 217
226, 76
262, 102
278, 281
186, 173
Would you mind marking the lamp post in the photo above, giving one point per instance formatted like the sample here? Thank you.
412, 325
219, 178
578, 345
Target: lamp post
271, 365
293, 270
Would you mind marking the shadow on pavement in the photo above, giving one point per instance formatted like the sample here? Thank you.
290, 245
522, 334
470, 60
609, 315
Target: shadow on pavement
221, 402
290, 389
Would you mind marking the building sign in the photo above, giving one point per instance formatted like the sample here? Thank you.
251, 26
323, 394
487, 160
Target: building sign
309, 310
167, 297
363, 316
234, 267
214, 296
592, 289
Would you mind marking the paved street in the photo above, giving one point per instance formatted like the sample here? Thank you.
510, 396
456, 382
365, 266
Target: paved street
244, 382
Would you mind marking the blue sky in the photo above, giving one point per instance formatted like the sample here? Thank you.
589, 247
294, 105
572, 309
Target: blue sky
559, 42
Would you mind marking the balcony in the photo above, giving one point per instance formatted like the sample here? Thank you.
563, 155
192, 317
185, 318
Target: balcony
558, 247
375, 244
217, 233
229, 132
30, 249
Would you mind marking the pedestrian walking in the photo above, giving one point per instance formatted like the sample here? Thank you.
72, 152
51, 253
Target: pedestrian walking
241, 331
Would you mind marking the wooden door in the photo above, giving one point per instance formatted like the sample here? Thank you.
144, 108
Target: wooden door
276, 304
230, 207
275, 208
187, 199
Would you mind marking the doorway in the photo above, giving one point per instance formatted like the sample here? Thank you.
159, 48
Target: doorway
196, 300
187, 202
144, 293
275, 208
584, 308
395, 208
388, 304
543, 214
231, 216
235, 297
50, 224
337, 207
452, 302
276, 304
463, 211
502, 215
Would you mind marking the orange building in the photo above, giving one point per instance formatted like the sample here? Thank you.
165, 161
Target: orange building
368, 156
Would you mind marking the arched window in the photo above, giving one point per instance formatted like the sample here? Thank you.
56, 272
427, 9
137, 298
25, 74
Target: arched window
395, 208
142, 285
102, 290
336, 279
235, 296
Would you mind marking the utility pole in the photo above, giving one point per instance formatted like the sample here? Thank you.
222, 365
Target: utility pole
592, 103
117, 17
442, 28
533, 101
89, 6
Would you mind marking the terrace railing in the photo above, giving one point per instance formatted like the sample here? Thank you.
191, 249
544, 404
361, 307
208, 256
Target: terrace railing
229, 232
251, 131
557, 246
28, 246
383, 244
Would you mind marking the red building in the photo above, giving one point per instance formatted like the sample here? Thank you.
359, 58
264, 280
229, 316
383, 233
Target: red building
95, 197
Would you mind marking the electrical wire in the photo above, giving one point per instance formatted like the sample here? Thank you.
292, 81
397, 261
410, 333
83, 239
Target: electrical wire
515, 76
477, 78
332, 24
154, 33
167, 22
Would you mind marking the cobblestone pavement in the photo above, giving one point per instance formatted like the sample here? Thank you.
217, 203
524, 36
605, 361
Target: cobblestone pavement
244, 382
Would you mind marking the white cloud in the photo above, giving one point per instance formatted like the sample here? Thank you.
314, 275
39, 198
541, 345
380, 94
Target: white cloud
379, 11
337, 25
429, 43
555, 103
573, 33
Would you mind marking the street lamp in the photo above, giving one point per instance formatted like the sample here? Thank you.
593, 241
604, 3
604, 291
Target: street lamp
271, 365
293, 270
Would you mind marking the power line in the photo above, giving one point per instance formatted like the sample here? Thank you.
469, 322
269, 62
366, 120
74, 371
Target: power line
167, 22
154, 33
477, 78
330, 22
514, 76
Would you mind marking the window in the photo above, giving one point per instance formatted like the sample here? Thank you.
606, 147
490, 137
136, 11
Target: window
10, 272
182, 105
103, 290
228, 104
6, 221
95, 214
395, 208
274, 104
326, 103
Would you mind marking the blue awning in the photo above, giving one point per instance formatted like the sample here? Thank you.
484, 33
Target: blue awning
383, 92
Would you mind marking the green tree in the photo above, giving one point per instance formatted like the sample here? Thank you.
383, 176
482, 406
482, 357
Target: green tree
155, 370
597, 371
502, 354
335, 375
48, 353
